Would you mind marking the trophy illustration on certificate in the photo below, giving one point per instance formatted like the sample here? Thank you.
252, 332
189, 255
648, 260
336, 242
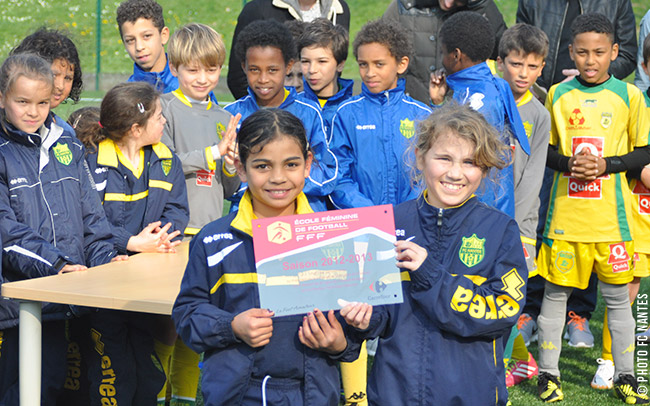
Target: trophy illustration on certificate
321, 260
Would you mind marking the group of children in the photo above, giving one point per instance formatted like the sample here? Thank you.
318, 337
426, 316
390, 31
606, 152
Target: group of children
147, 169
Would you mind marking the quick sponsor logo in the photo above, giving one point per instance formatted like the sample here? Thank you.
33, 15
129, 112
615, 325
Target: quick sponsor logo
579, 189
619, 258
644, 204
585, 190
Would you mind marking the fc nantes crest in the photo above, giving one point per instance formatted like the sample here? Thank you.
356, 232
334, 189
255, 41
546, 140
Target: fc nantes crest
472, 250
166, 166
220, 130
407, 128
62, 153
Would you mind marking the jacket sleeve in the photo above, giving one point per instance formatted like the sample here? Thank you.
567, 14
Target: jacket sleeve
202, 325
523, 12
26, 254
176, 210
625, 29
98, 240
468, 309
347, 193
230, 182
641, 80
324, 168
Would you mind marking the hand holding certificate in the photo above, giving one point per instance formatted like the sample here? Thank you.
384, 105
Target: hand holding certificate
312, 260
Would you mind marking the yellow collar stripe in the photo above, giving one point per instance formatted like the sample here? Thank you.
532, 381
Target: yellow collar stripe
121, 197
137, 172
244, 219
106, 155
426, 195
162, 151
234, 278
180, 96
528, 96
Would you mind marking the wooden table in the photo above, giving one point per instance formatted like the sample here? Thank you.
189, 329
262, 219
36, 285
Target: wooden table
146, 283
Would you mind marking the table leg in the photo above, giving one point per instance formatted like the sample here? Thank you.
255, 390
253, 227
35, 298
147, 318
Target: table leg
29, 353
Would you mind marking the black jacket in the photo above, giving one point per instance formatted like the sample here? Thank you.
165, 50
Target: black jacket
423, 24
279, 10
549, 16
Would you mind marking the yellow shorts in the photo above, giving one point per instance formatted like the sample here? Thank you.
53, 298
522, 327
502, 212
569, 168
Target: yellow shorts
567, 263
641, 265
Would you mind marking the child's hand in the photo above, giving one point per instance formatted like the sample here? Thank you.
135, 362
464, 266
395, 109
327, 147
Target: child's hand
254, 327
152, 238
120, 258
438, 86
357, 314
72, 268
585, 166
322, 334
228, 137
409, 255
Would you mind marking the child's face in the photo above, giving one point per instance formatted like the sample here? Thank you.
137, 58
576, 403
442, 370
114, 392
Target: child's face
63, 72
265, 71
520, 71
294, 78
275, 176
152, 131
645, 67
378, 68
592, 53
195, 80
27, 103
449, 170
145, 44
320, 69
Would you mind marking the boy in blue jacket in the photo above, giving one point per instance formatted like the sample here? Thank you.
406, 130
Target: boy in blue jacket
370, 132
323, 49
144, 34
467, 41
267, 49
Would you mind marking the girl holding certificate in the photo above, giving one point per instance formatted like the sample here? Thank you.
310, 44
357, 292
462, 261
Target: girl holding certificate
464, 275
252, 358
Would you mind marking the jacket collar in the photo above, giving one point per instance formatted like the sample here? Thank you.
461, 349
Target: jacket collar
183, 99
528, 96
390, 96
107, 153
30, 139
243, 221
345, 91
430, 214
164, 81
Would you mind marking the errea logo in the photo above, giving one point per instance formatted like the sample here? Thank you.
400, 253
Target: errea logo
216, 237
16, 181
101, 169
366, 127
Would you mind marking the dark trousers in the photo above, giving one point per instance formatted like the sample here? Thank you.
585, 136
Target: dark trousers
53, 364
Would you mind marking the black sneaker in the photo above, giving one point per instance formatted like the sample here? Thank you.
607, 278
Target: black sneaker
627, 389
549, 387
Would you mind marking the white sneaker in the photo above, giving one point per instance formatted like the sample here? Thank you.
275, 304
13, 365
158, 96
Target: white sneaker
604, 377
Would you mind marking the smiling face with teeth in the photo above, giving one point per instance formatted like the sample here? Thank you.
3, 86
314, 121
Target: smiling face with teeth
449, 169
275, 175
265, 71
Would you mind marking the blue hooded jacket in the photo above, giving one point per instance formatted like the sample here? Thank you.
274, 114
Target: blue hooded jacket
50, 214
487, 94
370, 135
332, 104
324, 170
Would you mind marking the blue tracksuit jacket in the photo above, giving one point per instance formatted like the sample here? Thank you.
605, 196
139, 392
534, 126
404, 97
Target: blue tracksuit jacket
370, 134
165, 192
220, 282
444, 344
484, 92
50, 214
332, 104
163, 81
324, 170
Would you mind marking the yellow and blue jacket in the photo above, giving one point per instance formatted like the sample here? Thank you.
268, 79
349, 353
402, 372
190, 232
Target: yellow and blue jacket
220, 282
444, 344
160, 189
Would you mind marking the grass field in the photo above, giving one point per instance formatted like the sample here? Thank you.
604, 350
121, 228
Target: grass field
78, 17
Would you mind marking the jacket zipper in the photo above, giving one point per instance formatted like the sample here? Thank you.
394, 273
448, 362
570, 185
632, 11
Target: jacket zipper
49, 210
439, 217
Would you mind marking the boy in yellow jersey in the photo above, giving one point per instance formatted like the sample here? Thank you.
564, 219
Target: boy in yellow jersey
598, 131
640, 186
522, 51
